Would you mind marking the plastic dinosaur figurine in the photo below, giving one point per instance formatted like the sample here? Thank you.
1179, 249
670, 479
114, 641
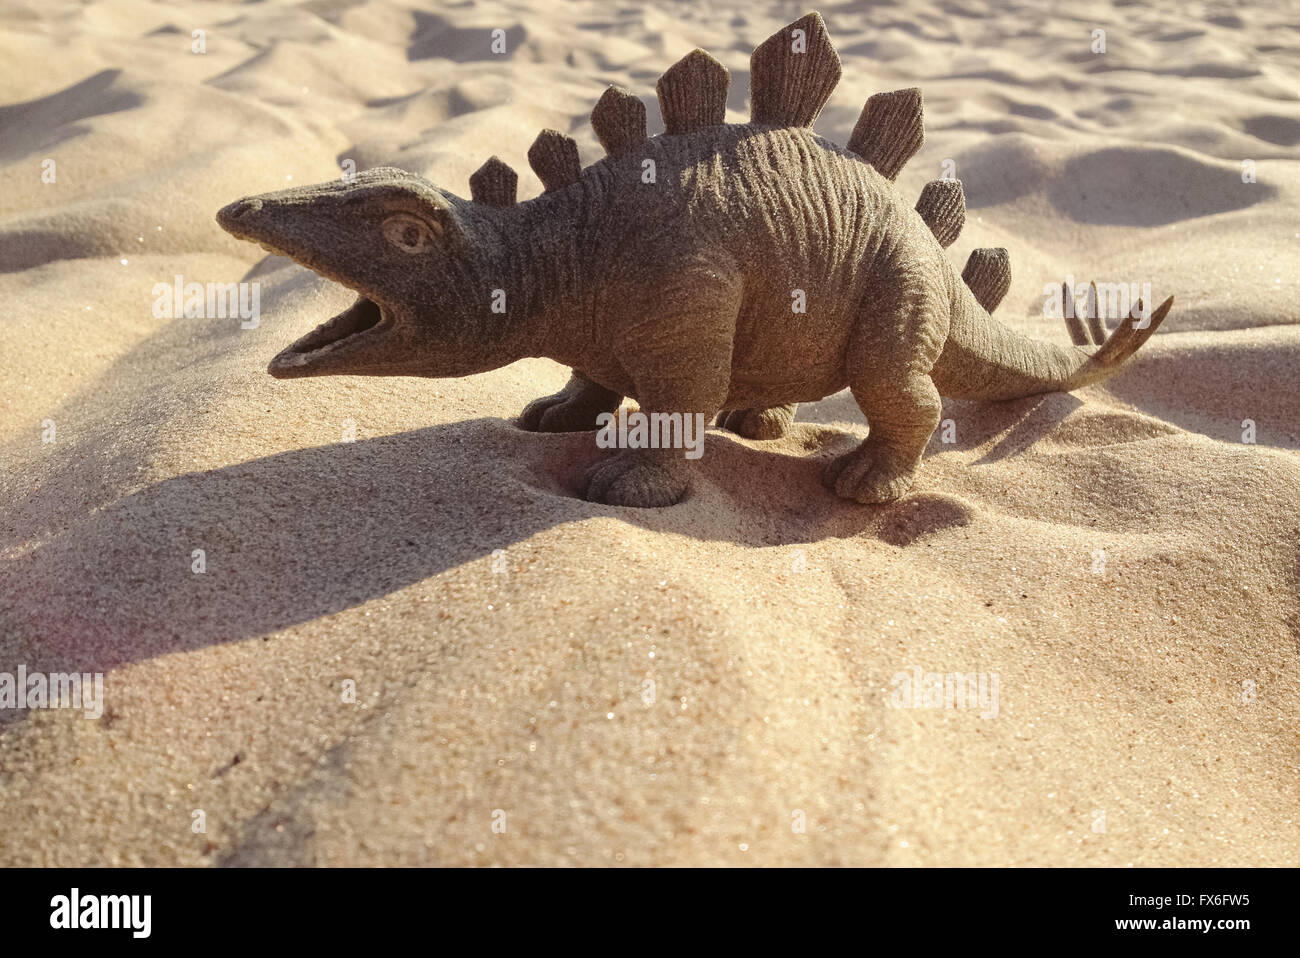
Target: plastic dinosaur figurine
673, 271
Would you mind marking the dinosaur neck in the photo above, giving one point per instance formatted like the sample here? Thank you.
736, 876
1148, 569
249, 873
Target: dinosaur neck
545, 265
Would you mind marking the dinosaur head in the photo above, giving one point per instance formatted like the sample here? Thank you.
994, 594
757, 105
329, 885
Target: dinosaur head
406, 248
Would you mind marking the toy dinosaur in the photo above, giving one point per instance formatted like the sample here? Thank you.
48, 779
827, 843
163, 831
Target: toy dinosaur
671, 271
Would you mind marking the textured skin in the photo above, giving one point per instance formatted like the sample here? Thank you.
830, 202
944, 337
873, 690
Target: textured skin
690, 310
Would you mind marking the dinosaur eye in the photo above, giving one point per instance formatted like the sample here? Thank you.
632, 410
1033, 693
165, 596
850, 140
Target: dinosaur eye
409, 233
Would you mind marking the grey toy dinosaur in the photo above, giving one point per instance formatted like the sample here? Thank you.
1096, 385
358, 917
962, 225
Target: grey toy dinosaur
667, 272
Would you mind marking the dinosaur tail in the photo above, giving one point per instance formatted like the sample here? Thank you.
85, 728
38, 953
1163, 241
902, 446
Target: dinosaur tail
983, 359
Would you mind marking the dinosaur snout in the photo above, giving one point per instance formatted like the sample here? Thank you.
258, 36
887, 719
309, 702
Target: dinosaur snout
230, 216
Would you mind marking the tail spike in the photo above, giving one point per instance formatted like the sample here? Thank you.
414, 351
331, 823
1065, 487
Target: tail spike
988, 274
889, 131
494, 183
1096, 329
943, 207
693, 93
619, 121
1129, 336
792, 74
1073, 323
554, 158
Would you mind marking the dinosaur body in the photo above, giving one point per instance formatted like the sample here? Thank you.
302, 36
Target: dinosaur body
733, 269
820, 235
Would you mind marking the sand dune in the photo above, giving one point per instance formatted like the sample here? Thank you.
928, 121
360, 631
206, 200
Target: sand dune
677, 686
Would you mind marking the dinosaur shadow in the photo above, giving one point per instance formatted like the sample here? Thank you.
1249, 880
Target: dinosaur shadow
310, 532
1018, 422
291, 537
1031, 419
285, 539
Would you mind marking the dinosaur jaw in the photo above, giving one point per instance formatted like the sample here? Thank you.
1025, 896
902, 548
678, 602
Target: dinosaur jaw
360, 340
340, 346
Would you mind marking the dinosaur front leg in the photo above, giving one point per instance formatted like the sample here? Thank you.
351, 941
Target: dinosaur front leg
679, 358
652, 477
643, 478
889, 359
653, 468
772, 422
573, 409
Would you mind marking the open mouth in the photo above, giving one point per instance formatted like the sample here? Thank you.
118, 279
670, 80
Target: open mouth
361, 321
336, 346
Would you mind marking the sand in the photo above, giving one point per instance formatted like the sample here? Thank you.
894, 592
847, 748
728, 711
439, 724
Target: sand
541, 680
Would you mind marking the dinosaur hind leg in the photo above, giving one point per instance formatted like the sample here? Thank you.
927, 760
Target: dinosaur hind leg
888, 363
884, 466
573, 409
772, 422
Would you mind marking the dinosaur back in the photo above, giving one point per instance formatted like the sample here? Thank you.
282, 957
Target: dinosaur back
792, 75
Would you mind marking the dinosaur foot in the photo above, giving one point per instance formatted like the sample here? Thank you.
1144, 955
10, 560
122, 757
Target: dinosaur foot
633, 479
770, 423
870, 473
566, 411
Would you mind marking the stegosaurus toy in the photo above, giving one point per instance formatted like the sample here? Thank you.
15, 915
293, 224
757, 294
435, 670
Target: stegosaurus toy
676, 288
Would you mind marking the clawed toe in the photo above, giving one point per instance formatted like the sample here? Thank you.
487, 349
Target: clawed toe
869, 475
770, 422
629, 480
531, 417
559, 413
